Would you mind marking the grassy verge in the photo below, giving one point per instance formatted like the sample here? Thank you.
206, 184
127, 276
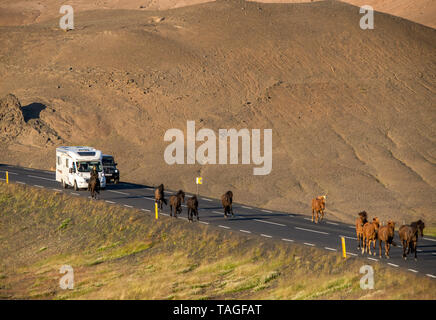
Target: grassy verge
120, 253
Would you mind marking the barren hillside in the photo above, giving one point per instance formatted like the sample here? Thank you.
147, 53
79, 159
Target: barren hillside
352, 111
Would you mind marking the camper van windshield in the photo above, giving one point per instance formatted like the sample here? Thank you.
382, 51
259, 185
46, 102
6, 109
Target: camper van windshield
86, 166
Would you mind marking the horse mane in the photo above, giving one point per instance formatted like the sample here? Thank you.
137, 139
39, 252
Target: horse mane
418, 224
161, 187
363, 215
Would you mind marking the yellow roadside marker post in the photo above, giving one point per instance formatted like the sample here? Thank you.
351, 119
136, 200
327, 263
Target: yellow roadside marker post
7, 177
198, 180
156, 210
344, 251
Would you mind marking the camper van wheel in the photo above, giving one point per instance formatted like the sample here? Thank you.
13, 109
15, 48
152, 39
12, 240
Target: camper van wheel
64, 185
75, 186
116, 181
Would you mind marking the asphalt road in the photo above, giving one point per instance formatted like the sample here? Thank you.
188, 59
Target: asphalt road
286, 227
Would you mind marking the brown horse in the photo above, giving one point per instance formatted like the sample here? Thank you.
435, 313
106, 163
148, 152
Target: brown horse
227, 200
386, 234
192, 205
176, 202
94, 186
318, 207
159, 196
409, 236
360, 222
370, 231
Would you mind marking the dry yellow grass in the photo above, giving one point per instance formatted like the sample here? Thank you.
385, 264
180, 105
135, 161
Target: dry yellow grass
118, 253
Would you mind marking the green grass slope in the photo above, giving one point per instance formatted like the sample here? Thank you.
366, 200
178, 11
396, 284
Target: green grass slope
120, 253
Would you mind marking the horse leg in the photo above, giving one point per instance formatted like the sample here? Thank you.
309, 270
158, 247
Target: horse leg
358, 241
363, 244
387, 248
313, 212
404, 243
380, 248
415, 245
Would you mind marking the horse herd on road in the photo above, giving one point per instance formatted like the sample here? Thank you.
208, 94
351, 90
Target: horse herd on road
370, 232
192, 203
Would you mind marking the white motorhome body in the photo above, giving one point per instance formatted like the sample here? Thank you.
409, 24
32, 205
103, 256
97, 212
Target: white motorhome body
74, 164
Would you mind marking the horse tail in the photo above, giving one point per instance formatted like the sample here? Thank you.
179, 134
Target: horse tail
164, 201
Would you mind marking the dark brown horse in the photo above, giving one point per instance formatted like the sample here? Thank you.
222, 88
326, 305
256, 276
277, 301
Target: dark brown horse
370, 234
159, 196
360, 222
386, 234
94, 186
192, 205
176, 203
409, 237
227, 200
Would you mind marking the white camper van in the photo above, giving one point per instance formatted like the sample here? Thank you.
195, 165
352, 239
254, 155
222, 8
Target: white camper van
74, 164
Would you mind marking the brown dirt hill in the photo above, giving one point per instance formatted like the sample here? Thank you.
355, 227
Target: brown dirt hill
352, 111
420, 11
11, 117
22, 125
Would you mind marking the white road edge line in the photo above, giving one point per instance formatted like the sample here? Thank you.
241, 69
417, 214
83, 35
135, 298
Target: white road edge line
126, 194
309, 244
225, 227
246, 207
146, 210
289, 240
333, 223
246, 231
413, 270
37, 185
266, 235
429, 239
352, 254
126, 205
347, 237
310, 230
20, 182
203, 222
206, 199
109, 201
394, 265
373, 259
331, 249
430, 275
275, 223
29, 175
267, 211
